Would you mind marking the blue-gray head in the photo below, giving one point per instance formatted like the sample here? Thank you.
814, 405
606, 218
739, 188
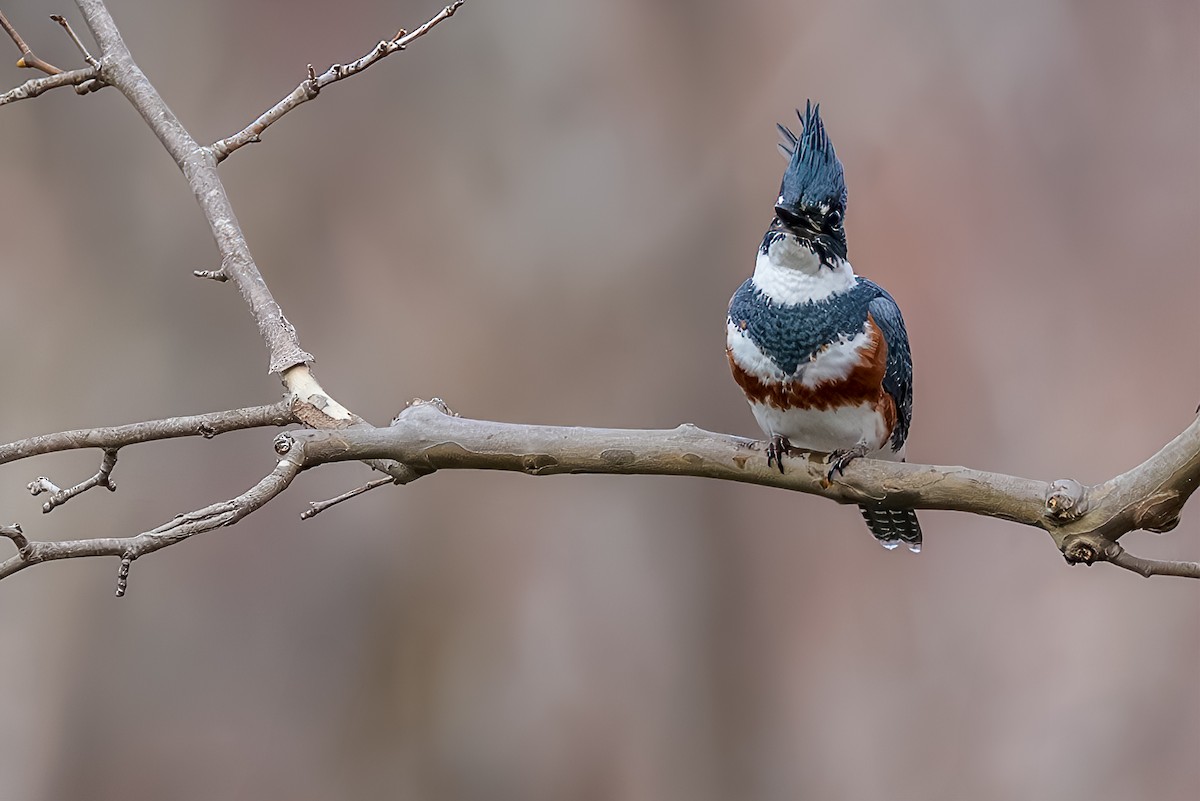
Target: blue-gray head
812, 196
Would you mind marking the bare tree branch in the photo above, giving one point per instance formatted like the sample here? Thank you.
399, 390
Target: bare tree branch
111, 440
14, 533
426, 437
199, 167
66, 26
102, 478
36, 86
1150, 496
225, 513
115, 437
316, 507
28, 59
1150, 567
311, 87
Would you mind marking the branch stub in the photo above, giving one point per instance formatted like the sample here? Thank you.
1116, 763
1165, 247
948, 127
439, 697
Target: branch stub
1078, 550
1066, 500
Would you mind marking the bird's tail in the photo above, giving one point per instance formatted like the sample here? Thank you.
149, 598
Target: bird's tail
893, 526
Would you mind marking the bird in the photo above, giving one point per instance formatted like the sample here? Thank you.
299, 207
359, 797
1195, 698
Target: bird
821, 353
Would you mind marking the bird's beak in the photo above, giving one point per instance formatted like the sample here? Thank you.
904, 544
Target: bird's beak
793, 222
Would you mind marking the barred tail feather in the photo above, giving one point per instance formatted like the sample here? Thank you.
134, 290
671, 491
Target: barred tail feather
893, 526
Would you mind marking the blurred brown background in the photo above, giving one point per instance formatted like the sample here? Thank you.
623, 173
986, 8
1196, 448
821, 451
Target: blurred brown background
539, 213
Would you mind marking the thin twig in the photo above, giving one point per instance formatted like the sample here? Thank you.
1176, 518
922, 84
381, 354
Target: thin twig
61, 20
80, 78
311, 86
1150, 567
114, 437
316, 507
182, 527
14, 533
123, 576
102, 478
28, 59
219, 275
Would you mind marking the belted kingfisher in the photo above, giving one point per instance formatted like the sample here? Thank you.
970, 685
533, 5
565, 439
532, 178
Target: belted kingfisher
821, 353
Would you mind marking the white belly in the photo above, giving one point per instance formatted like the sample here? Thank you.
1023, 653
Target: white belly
829, 429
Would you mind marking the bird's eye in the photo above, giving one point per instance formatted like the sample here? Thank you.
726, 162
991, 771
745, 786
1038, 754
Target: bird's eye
834, 220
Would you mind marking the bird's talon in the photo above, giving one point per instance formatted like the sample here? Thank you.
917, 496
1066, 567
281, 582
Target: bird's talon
777, 448
840, 459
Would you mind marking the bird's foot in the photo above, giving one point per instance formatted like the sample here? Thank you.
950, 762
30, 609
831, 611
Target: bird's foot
777, 448
840, 459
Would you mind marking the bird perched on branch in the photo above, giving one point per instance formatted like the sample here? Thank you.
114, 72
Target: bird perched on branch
822, 354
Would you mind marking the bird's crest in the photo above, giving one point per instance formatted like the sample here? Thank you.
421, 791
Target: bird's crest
814, 175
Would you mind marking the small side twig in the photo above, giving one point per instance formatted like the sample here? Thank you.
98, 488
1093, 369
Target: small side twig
220, 275
102, 478
14, 533
311, 86
28, 59
224, 513
316, 507
66, 26
123, 575
212, 275
84, 80
1120, 557
114, 437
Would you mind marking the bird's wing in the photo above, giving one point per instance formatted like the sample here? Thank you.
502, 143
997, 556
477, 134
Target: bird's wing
898, 375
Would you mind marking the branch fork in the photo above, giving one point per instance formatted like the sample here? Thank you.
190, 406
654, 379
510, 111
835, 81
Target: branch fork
102, 478
27, 60
14, 533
